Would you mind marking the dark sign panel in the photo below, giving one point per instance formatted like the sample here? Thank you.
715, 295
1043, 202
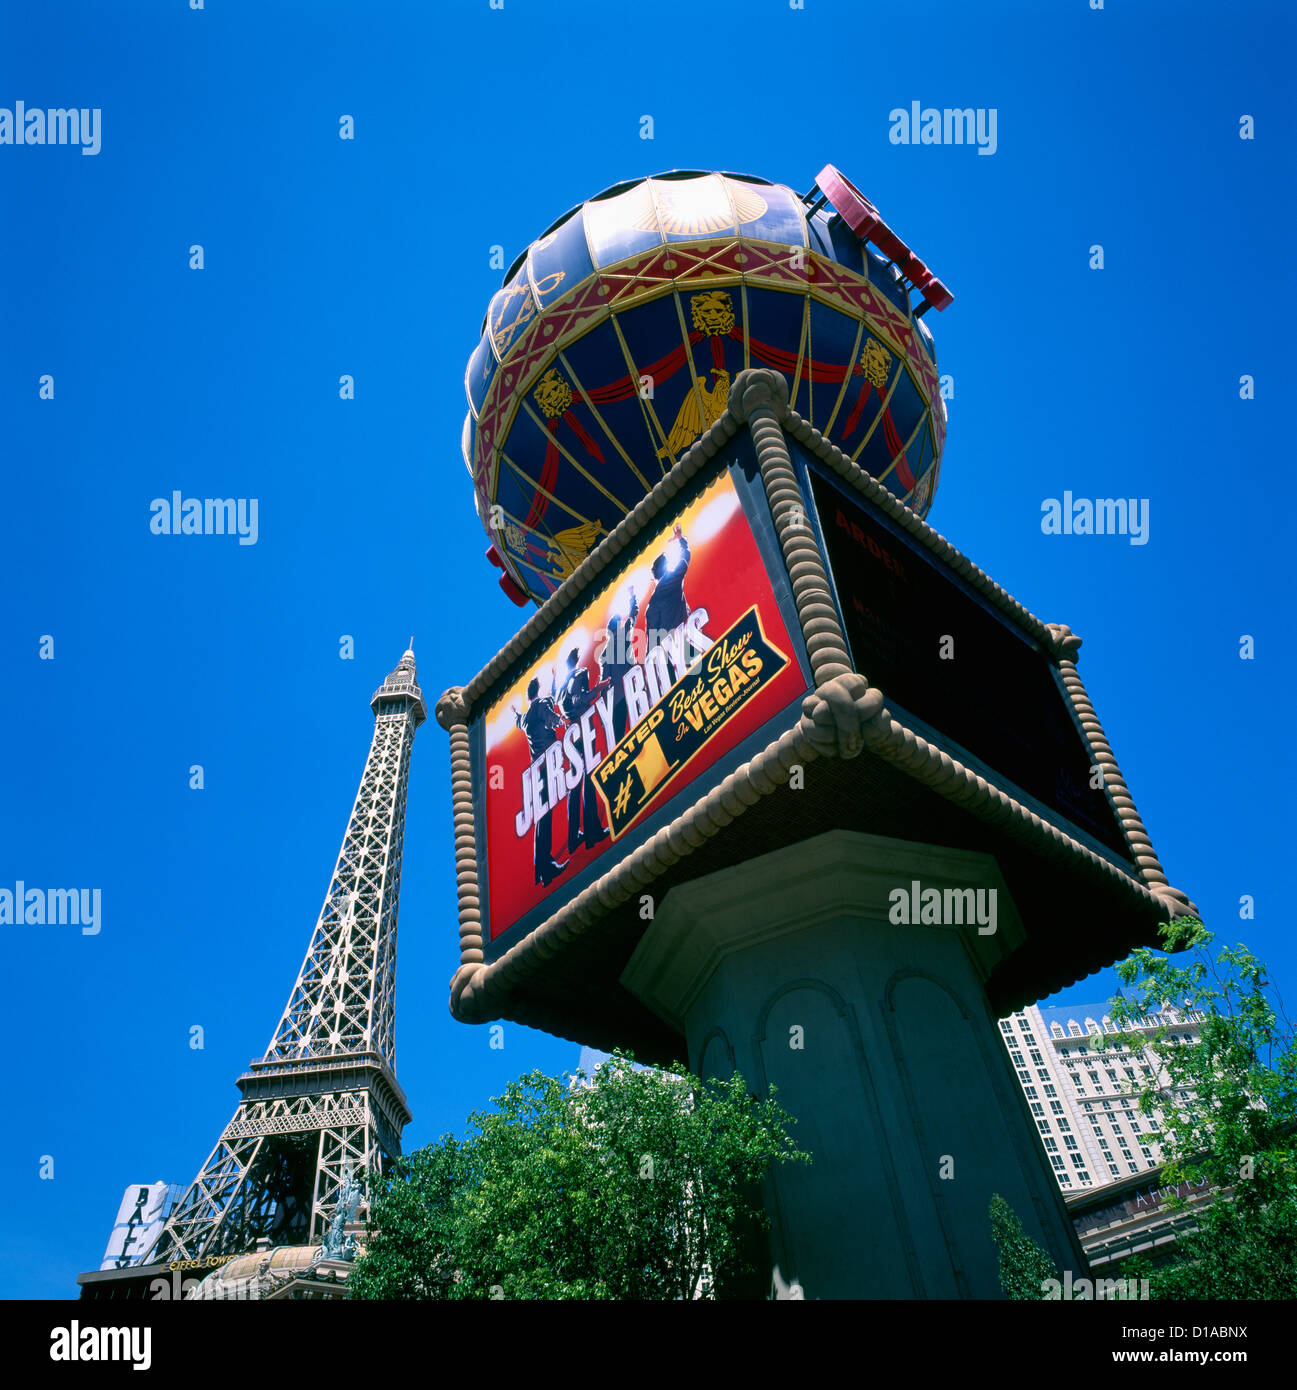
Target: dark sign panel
681, 663
942, 656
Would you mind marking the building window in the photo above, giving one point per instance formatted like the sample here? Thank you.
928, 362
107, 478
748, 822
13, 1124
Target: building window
1043, 1126
1037, 1058
1112, 1168
1064, 1126
1017, 1059
1057, 1160
1069, 1142
1051, 1146
1043, 1074
1006, 1026
1056, 1030
1083, 1175
1050, 1091
1077, 1160
1031, 1042
1134, 1167
1031, 1092
1024, 1076
1037, 1108
1103, 1143
1146, 1151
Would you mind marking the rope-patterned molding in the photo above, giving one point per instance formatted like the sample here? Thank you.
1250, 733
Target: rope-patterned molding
1137, 837
762, 399
759, 396
839, 719
1056, 638
914, 524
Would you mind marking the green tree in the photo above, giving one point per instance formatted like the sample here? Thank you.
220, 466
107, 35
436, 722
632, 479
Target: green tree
635, 1183
1224, 1110
413, 1226
1024, 1266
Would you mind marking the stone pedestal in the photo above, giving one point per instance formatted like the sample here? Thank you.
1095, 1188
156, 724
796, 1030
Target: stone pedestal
803, 969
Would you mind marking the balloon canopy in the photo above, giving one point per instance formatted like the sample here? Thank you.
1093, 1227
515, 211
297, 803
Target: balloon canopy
611, 348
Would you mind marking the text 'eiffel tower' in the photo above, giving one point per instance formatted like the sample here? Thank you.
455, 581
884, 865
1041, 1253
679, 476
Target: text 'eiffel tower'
324, 1101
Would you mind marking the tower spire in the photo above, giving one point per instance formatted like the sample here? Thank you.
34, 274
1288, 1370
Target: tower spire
324, 1101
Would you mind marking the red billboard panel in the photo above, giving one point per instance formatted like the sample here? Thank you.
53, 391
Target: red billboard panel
676, 661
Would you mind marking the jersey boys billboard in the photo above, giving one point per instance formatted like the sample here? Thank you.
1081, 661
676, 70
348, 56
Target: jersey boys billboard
686, 654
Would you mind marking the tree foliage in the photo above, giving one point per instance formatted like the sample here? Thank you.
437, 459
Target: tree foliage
632, 1184
1024, 1265
413, 1226
1224, 1110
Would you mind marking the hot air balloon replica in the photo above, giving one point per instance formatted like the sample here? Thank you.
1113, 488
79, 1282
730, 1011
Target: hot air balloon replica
775, 779
613, 342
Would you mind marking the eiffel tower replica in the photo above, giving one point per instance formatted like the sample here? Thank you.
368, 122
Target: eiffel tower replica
323, 1104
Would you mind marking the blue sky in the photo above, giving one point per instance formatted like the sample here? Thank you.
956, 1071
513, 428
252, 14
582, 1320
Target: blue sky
371, 257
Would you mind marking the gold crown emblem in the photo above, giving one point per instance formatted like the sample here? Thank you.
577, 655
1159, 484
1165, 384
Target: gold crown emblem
553, 395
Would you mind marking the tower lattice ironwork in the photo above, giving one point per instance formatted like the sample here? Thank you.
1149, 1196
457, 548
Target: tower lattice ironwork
324, 1100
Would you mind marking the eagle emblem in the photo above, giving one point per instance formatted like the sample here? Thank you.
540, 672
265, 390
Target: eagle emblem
698, 412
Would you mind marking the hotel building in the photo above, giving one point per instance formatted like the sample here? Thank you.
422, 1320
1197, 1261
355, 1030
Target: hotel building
1085, 1102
